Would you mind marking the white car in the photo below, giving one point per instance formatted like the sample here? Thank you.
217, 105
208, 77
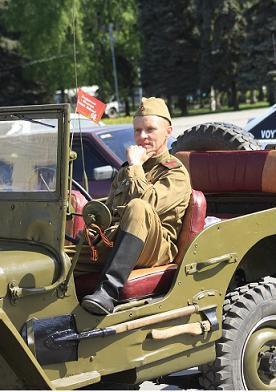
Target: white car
263, 128
113, 107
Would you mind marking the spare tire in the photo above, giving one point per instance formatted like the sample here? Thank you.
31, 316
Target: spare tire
215, 136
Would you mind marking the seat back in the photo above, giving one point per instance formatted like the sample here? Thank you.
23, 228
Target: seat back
231, 171
192, 223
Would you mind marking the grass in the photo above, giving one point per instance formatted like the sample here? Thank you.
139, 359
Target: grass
118, 120
191, 112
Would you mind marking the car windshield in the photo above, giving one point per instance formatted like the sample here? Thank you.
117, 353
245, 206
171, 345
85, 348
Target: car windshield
117, 140
28, 155
83, 123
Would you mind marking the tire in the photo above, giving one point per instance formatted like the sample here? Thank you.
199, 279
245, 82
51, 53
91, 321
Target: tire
248, 342
112, 113
215, 136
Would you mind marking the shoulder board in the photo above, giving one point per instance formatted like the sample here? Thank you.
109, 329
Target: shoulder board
125, 164
171, 164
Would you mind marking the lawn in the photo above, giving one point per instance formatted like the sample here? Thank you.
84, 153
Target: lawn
192, 112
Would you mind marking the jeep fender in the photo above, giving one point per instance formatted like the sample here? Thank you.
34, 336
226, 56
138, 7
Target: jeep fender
19, 357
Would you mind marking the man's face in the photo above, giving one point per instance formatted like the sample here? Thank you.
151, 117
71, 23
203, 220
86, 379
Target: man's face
151, 132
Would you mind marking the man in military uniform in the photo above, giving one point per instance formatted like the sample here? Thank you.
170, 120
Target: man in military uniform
148, 199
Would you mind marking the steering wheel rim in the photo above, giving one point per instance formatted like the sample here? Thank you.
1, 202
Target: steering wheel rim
82, 190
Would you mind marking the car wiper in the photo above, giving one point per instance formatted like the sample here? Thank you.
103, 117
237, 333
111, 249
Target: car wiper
22, 117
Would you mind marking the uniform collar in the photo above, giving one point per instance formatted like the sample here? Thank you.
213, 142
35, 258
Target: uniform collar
150, 163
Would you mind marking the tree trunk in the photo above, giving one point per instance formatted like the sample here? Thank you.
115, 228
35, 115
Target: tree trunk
234, 100
183, 105
213, 105
127, 111
218, 95
253, 98
261, 94
169, 103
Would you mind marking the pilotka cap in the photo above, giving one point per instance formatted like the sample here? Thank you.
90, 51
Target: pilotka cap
153, 106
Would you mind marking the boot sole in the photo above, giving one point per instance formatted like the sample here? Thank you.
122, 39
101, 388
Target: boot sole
94, 307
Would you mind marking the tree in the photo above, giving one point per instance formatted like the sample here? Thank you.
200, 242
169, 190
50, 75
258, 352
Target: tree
45, 29
122, 14
15, 89
67, 42
258, 60
170, 44
222, 31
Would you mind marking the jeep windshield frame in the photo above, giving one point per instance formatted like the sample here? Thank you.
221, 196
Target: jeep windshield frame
31, 153
37, 215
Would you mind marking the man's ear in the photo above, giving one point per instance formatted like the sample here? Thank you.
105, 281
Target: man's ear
169, 130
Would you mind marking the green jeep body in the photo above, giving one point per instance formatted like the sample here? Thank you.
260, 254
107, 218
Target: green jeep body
48, 341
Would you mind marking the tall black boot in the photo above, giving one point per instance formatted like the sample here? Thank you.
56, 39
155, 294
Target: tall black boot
119, 265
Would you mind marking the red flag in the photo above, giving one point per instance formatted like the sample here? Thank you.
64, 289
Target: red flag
90, 106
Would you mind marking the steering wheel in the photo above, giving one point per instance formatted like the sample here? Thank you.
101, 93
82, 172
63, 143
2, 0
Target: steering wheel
95, 213
82, 190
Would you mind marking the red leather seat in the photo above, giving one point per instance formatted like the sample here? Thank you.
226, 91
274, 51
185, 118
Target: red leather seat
231, 171
145, 282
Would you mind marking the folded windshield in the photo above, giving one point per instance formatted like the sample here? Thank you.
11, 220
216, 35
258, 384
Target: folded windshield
28, 155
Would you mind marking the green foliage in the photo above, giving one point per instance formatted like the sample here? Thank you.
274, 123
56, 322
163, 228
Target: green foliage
14, 88
46, 37
97, 19
257, 52
222, 31
66, 40
182, 47
170, 48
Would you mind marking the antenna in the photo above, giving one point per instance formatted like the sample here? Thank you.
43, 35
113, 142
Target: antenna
85, 178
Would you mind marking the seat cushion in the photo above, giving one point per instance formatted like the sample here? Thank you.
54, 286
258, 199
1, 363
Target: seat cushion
142, 282
146, 282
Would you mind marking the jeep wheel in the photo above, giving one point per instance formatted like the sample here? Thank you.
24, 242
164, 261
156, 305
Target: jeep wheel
215, 136
246, 353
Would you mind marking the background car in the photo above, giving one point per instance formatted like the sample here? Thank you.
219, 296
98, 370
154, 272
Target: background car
263, 128
103, 149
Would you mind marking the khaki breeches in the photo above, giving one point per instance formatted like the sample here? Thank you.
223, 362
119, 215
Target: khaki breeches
139, 219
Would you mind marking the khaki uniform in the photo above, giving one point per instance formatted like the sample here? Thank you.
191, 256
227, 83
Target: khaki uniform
149, 202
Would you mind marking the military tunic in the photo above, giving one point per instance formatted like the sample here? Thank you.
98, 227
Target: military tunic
149, 201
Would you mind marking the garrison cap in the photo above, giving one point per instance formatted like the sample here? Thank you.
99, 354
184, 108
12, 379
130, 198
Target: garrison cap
153, 106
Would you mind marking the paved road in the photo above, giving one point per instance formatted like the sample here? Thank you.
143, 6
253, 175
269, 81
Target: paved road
239, 118
184, 380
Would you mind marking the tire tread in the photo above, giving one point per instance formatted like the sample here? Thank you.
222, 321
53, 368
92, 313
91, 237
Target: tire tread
237, 305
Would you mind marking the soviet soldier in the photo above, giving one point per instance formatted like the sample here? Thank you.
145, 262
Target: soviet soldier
147, 200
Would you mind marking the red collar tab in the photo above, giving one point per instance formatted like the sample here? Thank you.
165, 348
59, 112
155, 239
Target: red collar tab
171, 164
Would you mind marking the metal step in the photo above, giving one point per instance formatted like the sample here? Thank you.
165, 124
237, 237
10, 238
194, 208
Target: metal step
77, 380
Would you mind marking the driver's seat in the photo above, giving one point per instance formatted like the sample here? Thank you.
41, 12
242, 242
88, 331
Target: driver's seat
148, 282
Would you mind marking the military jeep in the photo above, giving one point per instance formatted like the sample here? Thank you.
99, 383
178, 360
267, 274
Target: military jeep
214, 307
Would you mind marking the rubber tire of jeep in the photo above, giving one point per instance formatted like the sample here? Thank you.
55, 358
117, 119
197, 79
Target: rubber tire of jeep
248, 341
215, 136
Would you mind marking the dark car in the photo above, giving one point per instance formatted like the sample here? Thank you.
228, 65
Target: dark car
104, 152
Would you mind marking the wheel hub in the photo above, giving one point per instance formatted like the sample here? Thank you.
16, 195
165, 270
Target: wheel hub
268, 362
259, 361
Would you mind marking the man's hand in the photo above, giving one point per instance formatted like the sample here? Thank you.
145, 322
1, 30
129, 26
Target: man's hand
137, 155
